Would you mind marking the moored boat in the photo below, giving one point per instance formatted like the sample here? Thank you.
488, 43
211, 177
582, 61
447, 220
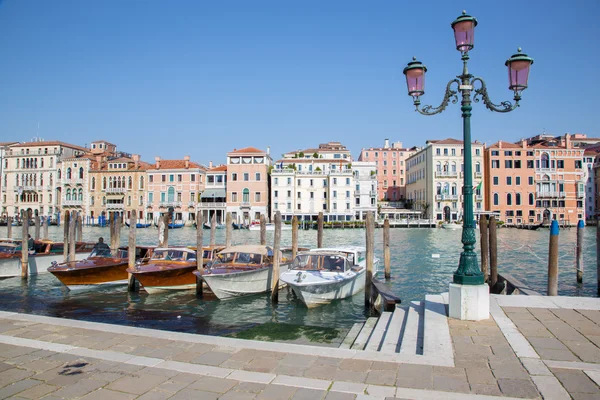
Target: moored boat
172, 268
239, 271
206, 225
140, 225
46, 252
269, 227
99, 269
451, 226
320, 276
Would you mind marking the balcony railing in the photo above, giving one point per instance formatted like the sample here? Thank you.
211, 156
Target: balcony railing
115, 206
550, 194
446, 174
74, 181
373, 193
212, 205
478, 197
72, 202
446, 197
169, 204
478, 174
245, 204
115, 190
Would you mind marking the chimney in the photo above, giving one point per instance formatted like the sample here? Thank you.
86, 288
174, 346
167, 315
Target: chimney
268, 150
524, 143
187, 161
99, 161
210, 164
567, 141
500, 144
157, 159
386, 144
136, 160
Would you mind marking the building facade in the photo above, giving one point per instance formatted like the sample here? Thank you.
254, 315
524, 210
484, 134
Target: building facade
590, 157
390, 162
213, 200
435, 179
3, 164
248, 184
74, 188
32, 177
365, 189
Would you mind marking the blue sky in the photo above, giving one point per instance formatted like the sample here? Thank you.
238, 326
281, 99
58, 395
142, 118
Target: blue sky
171, 78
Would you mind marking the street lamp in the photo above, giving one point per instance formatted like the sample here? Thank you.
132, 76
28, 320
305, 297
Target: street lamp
468, 272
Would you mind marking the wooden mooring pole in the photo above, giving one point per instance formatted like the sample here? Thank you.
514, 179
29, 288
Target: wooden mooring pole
45, 228
579, 251
294, 237
9, 222
72, 226
276, 259
199, 251
66, 223
131, 281
263, 230
370, 239
36, 231
24, 245
493, 233
320, 230
387, 259
228, 229
115, 232
484, 244
553, 260
79, 228
213, 229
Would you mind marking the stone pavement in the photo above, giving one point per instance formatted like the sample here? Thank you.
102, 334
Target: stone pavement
531, 348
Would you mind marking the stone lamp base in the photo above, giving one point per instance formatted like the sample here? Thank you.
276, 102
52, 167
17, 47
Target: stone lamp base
469, 302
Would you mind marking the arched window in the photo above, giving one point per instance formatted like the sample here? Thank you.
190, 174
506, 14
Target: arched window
545, 160
454, 187
518, 199
51, 162
50, 198
93, 183
496, 199
50, 179
453, 167
531, 199
81, 173
246, 196
508, 199
141, 182
68, 173
171, 194
122, 182
68, 196
80, 194
130, 183
103, 200
438, 189
128, 200
438, 166
478, 167
42, 163
104, 183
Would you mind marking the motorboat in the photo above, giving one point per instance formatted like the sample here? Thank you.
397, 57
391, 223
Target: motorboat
102, 267
240, 271
320, 276
269, 227
207, 225
450, 225
140, 225
45, 253
172, 268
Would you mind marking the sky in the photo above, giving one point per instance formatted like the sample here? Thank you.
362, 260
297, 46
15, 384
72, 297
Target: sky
200, 78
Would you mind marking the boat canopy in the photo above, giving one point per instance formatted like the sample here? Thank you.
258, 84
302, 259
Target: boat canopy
324, 261
174, 254
254, 249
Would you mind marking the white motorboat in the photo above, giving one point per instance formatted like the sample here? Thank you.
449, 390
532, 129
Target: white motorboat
322, 275
240, 271
451, 226
270, 227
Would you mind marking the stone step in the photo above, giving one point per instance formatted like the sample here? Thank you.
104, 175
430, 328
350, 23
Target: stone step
391, 340
365, 333
410, 337
351, 336
376, 339
436, 339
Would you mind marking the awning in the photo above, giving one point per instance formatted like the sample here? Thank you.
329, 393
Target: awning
213, 193
114, 196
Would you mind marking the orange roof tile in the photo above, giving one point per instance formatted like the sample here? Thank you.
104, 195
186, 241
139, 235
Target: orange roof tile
247, 150
176, 164
218, 168
505, 145
4, 144
51, 143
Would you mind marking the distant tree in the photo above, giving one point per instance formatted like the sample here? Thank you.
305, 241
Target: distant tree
301, 155
315, 155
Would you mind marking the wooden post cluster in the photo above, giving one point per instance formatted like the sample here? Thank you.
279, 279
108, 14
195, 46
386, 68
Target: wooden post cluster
263, 230
45, 228
9, 222
579, 251
36, 222
553, 260
493, 279
24, 245
320, 230
66, 223
79, 228
387, 260
213, 230
131, 282
228, 229
199, 251
484, 241
72, 226
276, 259
370, 239
294, 237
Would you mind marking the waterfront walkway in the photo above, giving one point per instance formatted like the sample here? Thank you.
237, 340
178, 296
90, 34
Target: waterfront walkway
532, 347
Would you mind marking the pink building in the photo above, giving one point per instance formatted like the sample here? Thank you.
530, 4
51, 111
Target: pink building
248, 184
391, 169
174, 186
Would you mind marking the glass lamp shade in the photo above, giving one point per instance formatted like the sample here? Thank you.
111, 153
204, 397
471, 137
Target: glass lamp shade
415, 78
518, 71
464, 32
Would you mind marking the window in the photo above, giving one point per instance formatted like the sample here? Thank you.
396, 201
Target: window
171, 178
518, 180
299, 195
496, 198
530, 180
477, 152
193, 178
496, 180
246, 196
508, 153
495, 153
578, 164
276, 193
179, 177
234, 177
437, 152
335, 181
529, 163
518, 199
163, 178
347, 181
151, 178
508, 164
276, 181
517, 163
495, 163
334, 193
453, 152
257, 176
509, 180
257, 196
246, 176
509, 199
234, 197
289, 194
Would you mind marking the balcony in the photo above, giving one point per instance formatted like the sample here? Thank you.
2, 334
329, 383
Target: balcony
245, 204
580, 194
478, 175
169, 204
192, 204
115, 190
446, 197
212, 205
478, 197
115, 206
550, 195
72, 202
446, 174
373, 193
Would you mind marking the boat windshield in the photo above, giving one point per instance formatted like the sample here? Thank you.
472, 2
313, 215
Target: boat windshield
239, 258
207, 254
333, 263
172, 255
7, 249
106, 253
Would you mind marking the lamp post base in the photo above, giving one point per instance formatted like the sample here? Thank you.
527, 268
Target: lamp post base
469, 302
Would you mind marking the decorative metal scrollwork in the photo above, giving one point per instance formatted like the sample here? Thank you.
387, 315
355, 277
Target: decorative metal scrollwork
503, 107
450, 95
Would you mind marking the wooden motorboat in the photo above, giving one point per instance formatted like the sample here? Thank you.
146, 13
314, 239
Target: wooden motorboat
320, 276
239, 271
99, 269
45, 253
172, 268
529, 227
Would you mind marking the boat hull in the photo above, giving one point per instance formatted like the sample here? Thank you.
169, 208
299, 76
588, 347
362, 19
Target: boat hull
236, 284
38, 264
94, 277
164, 280
317, 295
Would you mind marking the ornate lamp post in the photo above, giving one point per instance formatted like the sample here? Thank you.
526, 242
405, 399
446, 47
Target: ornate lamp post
468, 272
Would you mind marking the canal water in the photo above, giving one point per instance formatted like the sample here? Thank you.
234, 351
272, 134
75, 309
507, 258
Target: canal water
423, 261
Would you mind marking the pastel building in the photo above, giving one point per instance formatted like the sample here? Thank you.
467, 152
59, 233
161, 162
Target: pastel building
590, 157
390, 163
248, 184
174, 187
435, 178
3, 164
74, 184
213, 200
